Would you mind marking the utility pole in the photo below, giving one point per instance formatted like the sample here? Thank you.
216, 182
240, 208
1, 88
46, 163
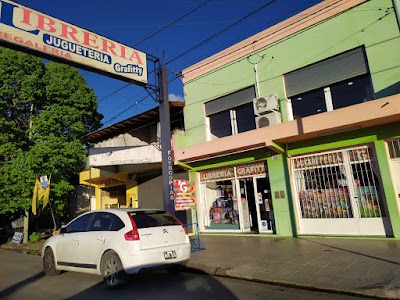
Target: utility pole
166, 149
26, 216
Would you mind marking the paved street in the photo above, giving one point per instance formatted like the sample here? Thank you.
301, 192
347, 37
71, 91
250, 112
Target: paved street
22, 279
363, 267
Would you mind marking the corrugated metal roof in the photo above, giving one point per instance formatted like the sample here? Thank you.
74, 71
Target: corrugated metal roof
144, 119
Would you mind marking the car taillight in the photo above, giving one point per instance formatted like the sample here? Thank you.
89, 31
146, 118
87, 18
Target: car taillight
132, 235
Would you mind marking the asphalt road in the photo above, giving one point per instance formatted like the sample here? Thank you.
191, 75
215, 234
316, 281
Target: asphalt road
21, 277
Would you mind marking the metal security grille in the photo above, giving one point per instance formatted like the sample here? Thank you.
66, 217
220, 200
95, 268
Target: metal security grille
394, 149
366, 184
339, 184
320, 185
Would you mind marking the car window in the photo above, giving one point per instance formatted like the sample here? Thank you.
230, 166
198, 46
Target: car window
117, 224
144, 219
79, 225
101, 221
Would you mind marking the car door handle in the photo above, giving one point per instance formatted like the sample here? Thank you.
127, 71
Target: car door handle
100, 239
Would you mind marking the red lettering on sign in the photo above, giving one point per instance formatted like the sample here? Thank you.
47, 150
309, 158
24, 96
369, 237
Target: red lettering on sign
89, 37
26, 16
67, 30
46, 24
108, 47
135, 56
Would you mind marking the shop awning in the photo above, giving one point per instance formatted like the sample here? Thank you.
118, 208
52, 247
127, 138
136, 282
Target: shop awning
373, 113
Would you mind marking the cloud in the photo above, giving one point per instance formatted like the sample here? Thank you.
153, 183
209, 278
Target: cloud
173, 97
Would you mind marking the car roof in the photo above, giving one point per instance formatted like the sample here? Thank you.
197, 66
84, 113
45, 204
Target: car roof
119, 210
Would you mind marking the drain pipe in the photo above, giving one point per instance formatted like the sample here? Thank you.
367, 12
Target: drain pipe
396, 6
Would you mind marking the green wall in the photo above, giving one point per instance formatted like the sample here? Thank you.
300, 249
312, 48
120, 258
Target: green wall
376, 136
278, 176
370, 25
367, 24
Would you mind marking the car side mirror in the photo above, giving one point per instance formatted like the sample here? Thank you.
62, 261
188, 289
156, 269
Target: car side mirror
62, 230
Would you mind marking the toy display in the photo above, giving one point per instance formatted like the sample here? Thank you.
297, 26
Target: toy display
325, 203
224, 210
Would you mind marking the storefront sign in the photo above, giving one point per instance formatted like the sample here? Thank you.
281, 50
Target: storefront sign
318, 160
250, 169
184, 194
217, 174
360, 154
31, 30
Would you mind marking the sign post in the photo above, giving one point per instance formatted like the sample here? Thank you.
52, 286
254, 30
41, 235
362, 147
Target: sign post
166, 149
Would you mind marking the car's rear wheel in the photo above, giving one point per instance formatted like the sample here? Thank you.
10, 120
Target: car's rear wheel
112, 270
49, 263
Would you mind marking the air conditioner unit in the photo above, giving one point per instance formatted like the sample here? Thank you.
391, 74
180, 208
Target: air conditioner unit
268, 119
263, 105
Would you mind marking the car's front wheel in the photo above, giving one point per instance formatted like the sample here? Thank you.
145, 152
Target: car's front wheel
112, 270
49, 263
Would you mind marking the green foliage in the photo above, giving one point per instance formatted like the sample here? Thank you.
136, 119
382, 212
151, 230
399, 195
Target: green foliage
45, 109
34, 237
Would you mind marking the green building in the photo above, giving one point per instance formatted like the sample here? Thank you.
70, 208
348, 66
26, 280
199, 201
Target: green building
296, 130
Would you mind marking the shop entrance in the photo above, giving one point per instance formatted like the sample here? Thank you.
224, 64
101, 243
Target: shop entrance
263, 204
236, 198
339, 193
258, 194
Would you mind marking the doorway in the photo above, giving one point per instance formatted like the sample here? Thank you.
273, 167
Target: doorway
263, 205
257, 191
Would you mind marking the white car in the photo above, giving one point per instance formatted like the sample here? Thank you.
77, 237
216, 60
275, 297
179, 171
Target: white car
117, 242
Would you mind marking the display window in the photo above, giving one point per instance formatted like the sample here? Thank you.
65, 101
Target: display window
221, 205
331, 185
233, 199
339, 192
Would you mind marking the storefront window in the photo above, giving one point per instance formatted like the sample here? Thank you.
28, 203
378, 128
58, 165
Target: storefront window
332, 184
228, 200
222, 205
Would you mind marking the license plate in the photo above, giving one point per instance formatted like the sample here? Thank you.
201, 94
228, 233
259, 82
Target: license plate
169, 254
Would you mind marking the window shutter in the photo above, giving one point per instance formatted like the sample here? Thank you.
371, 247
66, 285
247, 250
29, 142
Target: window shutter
230, 101
322, 74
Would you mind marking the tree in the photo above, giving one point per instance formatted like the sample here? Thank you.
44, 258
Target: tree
45, 109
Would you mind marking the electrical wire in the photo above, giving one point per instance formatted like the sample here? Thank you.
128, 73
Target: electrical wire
202, 43
172, 23
223, 30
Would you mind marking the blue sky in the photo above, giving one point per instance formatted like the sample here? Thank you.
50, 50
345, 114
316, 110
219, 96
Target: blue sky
130, 22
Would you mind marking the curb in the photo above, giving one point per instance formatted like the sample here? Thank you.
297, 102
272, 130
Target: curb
230, 273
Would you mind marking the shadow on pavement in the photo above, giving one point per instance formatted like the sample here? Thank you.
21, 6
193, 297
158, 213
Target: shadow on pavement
159, 284
353, 252
15, 287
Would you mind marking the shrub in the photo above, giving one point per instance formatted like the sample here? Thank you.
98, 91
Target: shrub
34, 237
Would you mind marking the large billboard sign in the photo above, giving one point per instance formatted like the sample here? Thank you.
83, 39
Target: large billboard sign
31, 31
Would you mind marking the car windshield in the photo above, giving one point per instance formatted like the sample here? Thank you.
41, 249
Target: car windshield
145, 219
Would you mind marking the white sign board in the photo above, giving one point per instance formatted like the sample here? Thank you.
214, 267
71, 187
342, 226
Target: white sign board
32, 31
17, 238
114, 156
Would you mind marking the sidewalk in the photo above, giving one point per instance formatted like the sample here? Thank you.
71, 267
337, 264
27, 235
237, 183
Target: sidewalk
352, 266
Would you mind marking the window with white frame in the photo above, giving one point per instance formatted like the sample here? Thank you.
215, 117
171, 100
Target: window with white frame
231, 114
336, 82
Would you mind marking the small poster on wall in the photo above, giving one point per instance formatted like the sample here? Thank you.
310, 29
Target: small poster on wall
184, 194
259, 198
